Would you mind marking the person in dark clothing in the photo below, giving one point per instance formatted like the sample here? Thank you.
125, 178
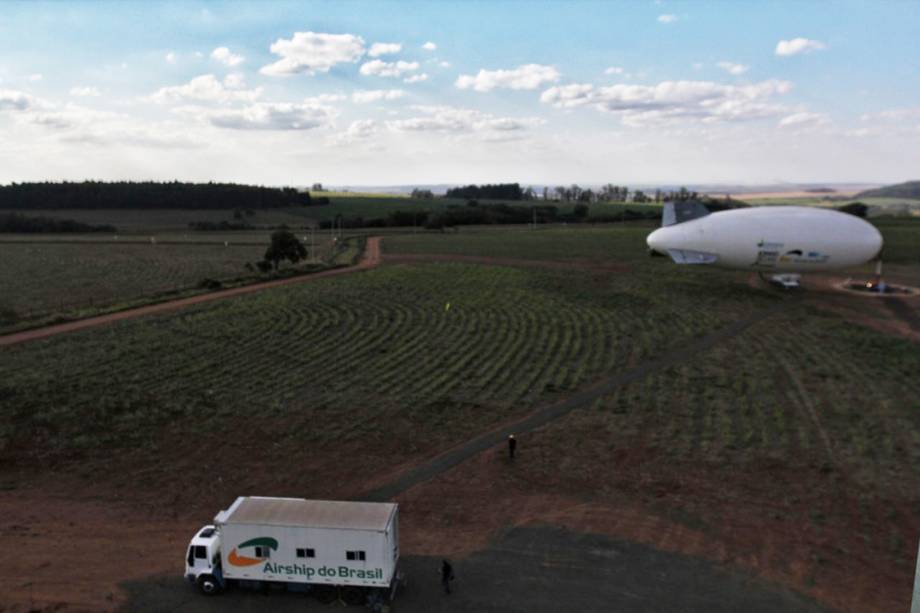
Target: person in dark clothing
512, 445
447, 575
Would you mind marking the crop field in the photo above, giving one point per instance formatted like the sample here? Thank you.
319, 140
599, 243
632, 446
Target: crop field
428, 346
618, 242
66, 273
45, 276
147, 221
614, 242
798, 440
790, 450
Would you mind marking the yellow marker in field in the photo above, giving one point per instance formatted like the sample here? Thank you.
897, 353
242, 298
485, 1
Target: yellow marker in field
447, 307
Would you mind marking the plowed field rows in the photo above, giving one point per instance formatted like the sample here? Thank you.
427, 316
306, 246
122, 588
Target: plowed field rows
42, 276
450, 347
805, 425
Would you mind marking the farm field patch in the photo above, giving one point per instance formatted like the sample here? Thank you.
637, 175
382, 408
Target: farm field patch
44, 276
332, 388
790, 451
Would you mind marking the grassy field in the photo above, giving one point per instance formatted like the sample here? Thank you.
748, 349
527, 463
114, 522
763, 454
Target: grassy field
67, 274
383, 339
793, 447
349, 205
884, 206
622, 242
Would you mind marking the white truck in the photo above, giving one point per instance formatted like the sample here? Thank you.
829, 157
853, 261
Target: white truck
344, 550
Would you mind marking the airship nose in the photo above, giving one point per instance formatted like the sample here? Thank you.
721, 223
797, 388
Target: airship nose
655, 241
875, 242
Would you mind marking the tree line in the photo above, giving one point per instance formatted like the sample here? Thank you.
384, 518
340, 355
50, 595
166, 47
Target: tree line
147, 195
560, 193
474, 214
21, 224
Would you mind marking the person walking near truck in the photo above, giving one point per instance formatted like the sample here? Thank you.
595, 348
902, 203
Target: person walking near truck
447, 575
512, 445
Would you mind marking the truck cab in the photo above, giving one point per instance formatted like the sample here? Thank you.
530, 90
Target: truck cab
202, 561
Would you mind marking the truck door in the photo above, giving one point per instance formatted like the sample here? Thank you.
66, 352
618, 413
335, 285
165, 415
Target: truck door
198, 559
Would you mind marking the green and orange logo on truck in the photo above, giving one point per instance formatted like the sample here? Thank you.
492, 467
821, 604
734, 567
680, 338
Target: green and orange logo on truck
258, 544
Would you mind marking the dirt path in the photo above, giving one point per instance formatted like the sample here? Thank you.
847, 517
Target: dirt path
444, 462
370, 259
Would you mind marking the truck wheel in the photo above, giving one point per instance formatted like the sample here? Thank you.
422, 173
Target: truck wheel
208, 585
353, 595
326, 594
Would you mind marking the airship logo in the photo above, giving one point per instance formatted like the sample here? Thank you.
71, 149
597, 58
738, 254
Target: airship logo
258, 545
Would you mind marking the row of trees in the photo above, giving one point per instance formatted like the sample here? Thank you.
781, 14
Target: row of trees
21, 224
499, 191
561, 193
147, 195
474, 213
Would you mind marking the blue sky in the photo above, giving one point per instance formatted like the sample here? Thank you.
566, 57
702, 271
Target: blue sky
538, 92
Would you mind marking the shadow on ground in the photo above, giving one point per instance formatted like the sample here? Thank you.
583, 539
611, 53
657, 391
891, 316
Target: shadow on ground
529, 569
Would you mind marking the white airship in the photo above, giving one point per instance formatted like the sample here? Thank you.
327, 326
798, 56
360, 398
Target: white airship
768, 239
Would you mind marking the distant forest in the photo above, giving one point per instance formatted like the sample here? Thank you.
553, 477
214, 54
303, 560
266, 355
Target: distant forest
500, 191
16, 223
147, 195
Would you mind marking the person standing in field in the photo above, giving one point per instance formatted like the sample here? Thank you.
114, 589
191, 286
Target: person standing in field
512, 445
447, 575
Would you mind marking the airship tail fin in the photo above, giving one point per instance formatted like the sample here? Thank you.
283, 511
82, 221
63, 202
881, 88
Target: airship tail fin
679, 212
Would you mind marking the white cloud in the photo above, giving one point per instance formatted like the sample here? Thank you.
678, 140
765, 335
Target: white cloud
416, 78
797, 46
86, 92
265, 116
324, 99
312, 52
444, 64
614, 70
206, 88
667, 18
669, 101
378, 49
359, 130
225, 57
904, 114
528, 76
35, 77
235, 80
11, 100
451, 120
429, 46
804, 119
697, 66
380, 68
373, 95
733, 68
171, 57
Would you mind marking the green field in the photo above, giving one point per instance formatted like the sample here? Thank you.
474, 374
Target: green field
794, 444
68, 274
510, 339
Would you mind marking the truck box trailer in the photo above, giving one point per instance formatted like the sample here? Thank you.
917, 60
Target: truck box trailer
302, 544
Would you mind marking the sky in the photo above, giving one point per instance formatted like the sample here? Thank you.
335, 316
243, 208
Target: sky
395, 93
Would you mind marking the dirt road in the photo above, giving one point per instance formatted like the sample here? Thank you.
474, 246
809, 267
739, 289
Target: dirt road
370, 259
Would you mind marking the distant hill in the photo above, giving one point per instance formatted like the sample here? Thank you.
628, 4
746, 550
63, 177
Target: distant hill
910, 189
